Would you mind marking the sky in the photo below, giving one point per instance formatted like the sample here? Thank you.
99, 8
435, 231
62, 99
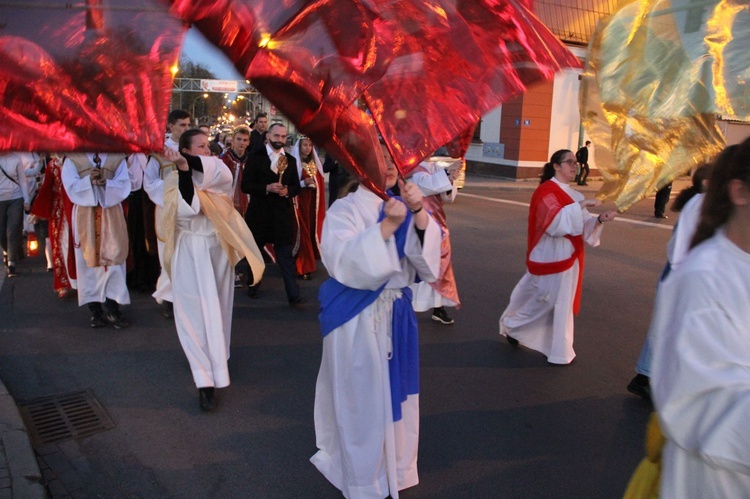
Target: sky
199, 50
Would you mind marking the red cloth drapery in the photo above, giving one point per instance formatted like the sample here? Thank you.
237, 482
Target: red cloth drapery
546, 202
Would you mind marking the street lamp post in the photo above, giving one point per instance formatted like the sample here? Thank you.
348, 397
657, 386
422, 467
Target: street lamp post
204, 96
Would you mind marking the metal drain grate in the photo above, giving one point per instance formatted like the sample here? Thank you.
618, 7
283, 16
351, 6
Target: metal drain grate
64, 417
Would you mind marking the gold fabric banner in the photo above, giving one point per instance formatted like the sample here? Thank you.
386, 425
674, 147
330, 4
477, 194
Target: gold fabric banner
659, 72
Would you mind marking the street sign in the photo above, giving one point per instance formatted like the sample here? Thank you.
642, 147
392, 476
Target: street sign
219, 85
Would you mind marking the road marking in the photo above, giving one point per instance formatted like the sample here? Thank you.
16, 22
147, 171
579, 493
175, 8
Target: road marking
519, 203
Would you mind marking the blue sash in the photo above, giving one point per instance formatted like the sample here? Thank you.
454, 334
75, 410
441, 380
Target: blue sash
339, 304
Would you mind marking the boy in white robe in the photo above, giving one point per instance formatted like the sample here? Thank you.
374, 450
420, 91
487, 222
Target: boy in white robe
366, 397
97, 184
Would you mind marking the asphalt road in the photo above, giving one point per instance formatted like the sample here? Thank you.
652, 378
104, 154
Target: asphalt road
496, 421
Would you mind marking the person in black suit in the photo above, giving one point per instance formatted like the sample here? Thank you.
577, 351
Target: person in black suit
258, 135
270, 213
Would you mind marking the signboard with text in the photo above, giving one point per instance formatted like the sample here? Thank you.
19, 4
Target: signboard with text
219, 85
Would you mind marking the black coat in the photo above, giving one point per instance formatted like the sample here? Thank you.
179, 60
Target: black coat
270, 217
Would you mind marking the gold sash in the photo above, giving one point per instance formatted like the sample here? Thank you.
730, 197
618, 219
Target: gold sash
102, 232
234, 235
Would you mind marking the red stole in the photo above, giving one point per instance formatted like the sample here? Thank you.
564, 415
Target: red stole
546, 203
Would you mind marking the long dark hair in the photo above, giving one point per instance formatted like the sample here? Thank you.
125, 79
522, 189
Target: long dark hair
549, 168
186, 139
733, 163
686, 195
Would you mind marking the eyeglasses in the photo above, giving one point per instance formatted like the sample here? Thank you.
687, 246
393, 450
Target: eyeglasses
571, 161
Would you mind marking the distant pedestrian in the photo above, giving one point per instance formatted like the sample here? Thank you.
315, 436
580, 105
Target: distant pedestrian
582, 157
542, 305
661, 200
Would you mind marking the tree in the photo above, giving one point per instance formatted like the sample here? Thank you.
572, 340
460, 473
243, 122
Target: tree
206, 109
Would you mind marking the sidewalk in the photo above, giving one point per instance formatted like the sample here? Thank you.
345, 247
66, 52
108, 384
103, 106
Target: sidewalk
20, 476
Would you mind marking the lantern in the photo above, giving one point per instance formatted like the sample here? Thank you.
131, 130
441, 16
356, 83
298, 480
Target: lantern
32, 245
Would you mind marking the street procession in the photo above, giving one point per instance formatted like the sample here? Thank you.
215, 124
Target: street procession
337, 248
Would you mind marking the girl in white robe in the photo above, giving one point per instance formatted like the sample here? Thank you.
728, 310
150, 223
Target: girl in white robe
366, 450
540, 313
701, 345
201, 272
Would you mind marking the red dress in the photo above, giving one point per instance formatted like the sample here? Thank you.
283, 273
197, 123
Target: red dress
310, 208
52, 203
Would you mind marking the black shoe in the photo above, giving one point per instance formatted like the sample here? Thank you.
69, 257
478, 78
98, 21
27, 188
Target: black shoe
97, 320
117, 320
298, 301
511, 340
662, 216
207, 399
439, 315
168, 310
12, 271
640, 386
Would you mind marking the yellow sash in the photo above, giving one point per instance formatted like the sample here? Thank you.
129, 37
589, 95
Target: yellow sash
234, 235
102, 232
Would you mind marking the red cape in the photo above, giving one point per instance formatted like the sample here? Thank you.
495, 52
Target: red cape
546, 203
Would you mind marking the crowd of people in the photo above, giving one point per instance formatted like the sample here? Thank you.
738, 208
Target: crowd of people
203, 217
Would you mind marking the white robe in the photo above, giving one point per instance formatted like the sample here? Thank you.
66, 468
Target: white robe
203, 282
95, 284
540, 312
362, 451
153, 184
435, 183
700, 380
679, 245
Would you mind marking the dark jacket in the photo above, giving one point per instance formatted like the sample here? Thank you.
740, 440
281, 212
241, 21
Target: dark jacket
582, 156
270, 216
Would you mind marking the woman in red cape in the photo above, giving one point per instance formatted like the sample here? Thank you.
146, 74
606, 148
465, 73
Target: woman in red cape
540, 313
52, 203
309, 206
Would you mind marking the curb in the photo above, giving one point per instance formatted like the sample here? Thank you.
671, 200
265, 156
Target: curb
23, 478
20, 476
